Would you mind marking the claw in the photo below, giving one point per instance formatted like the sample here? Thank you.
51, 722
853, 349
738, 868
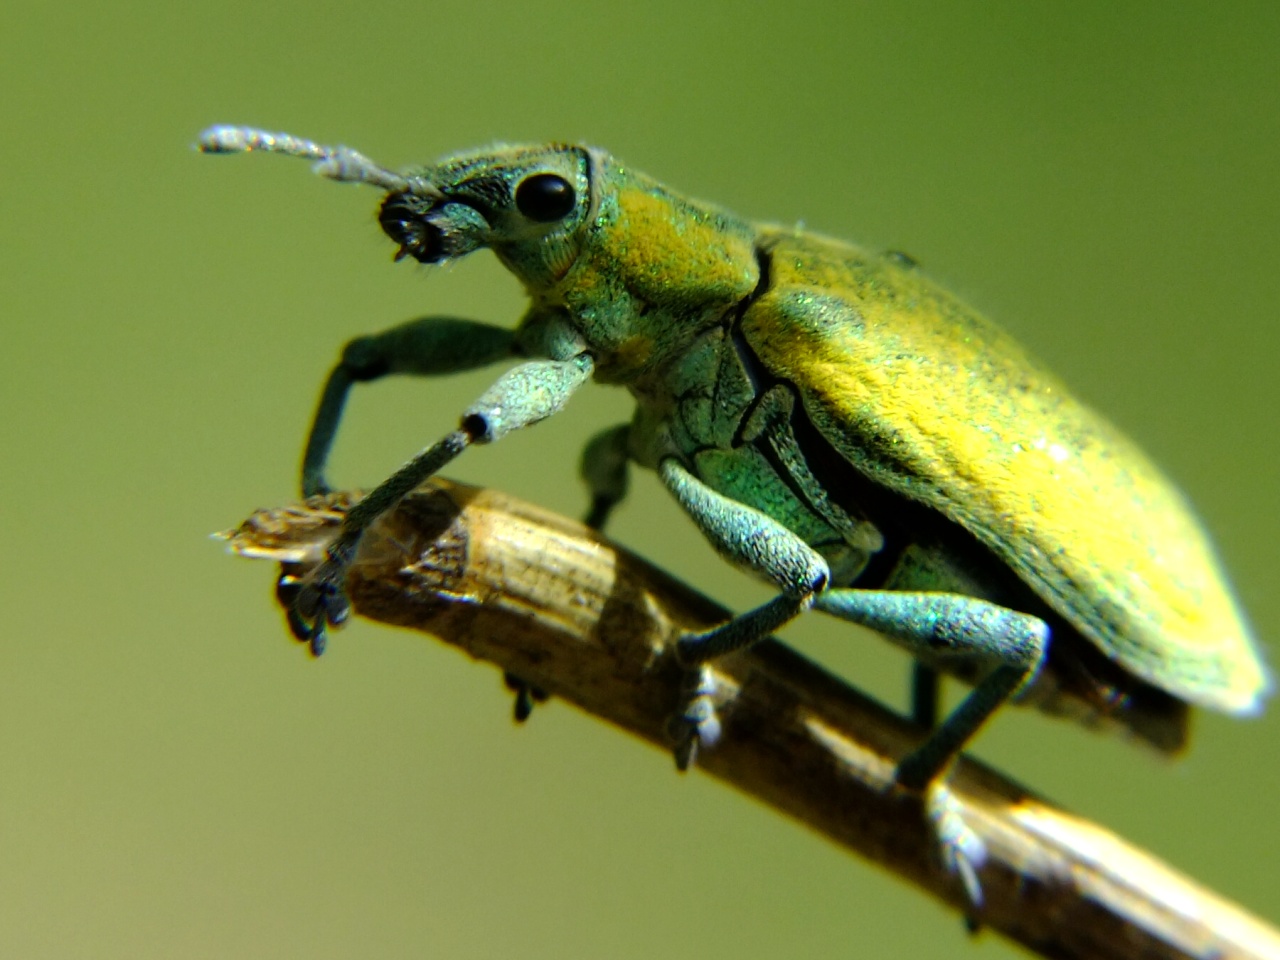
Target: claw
962, 851
686, 748
301, 629
524, 705
313, 602
319, 641
526, 696
338, 609
697, 726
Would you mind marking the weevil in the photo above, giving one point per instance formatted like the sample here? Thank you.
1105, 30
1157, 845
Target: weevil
833, 422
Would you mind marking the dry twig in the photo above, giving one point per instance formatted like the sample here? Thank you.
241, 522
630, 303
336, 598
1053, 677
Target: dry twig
552, 603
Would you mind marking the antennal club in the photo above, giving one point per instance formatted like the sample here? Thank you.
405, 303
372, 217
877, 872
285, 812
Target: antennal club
337, 163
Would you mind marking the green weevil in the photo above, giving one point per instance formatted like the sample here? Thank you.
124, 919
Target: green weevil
831, 420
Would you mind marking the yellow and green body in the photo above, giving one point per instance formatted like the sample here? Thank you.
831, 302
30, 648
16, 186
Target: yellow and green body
831, 419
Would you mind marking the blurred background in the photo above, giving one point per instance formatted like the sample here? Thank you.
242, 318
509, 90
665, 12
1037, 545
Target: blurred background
180, 779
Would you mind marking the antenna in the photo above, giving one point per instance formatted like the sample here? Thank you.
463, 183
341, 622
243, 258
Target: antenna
337, 163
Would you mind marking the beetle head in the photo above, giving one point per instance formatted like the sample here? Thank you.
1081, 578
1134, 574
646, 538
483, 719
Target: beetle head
638, 270
527, 203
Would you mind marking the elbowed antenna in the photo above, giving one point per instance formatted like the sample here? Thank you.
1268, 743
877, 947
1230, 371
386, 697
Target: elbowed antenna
337, 163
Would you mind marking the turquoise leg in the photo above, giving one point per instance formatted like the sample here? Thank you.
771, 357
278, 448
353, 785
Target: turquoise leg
925, 694
523, 396
938, 626
527, 696
604, 470
424, 347
749, 539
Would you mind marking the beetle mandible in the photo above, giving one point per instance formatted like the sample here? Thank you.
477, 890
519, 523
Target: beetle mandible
831, 420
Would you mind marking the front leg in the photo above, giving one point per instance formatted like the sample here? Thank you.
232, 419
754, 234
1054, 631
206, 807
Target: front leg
524, 395
427, 346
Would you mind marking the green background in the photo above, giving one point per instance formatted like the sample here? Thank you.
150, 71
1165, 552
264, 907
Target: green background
177, 779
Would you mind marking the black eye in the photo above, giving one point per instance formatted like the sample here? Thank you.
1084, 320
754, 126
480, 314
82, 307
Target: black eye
545, 197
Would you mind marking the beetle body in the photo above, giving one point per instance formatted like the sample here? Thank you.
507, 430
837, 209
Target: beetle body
930, 404
929, 442
831, 419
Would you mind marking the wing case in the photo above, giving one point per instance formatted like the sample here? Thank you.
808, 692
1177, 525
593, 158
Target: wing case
931, 401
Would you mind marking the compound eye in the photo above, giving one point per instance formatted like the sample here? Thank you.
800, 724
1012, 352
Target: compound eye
545, 197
